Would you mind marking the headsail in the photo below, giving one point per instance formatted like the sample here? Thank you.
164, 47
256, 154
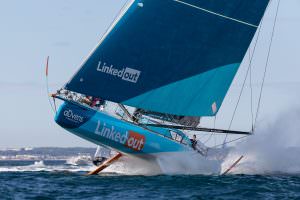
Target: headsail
171, 56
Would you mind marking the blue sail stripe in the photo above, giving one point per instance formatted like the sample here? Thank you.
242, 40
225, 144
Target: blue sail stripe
211, 89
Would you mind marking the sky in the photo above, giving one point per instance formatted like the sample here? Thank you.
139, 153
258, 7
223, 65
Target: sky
68, 30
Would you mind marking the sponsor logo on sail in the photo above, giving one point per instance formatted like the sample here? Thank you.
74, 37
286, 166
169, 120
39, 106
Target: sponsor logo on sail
129, 139
126, 74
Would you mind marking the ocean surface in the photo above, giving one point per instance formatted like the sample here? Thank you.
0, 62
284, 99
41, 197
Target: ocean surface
58, 180
53, 173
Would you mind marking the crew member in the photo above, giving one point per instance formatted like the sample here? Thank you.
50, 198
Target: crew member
194, 142
136, 115
87, 100
95, 102
199, 146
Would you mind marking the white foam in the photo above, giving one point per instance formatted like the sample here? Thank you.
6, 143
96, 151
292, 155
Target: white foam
40, 166
274, 148
134, 166
188, 163
166, 163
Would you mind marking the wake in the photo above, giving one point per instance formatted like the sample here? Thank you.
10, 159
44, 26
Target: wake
275, 148
39, 166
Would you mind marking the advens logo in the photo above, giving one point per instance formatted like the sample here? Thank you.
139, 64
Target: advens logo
73, 117
130, 139
126, 74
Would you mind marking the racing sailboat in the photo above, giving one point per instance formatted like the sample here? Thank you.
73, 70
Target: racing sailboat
173, 61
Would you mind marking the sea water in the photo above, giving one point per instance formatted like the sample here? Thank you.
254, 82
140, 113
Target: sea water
58, 180
75, 185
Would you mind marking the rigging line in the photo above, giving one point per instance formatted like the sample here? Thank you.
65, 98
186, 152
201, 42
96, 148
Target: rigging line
242, 90
217, 14
231, 141
54, 104
127, 113
250, 64
250, 77
251, 92
215, 121
238, 102
213, 133
267, 64
244, 83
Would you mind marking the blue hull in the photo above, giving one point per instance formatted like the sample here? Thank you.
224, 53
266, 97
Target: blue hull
122, 136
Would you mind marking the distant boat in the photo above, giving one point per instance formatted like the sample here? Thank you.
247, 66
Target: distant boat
80, 160
166, 64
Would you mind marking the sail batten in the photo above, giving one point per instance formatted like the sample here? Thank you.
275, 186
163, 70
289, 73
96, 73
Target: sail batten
170, 57
217, 14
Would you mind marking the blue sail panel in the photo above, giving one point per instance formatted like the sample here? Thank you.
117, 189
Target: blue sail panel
209, 84
171, 56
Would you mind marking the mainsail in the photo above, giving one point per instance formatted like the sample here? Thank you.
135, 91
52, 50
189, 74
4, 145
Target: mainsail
171, 56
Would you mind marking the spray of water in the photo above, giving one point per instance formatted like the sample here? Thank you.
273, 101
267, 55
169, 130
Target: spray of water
134, 166
275, 147
188, 163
